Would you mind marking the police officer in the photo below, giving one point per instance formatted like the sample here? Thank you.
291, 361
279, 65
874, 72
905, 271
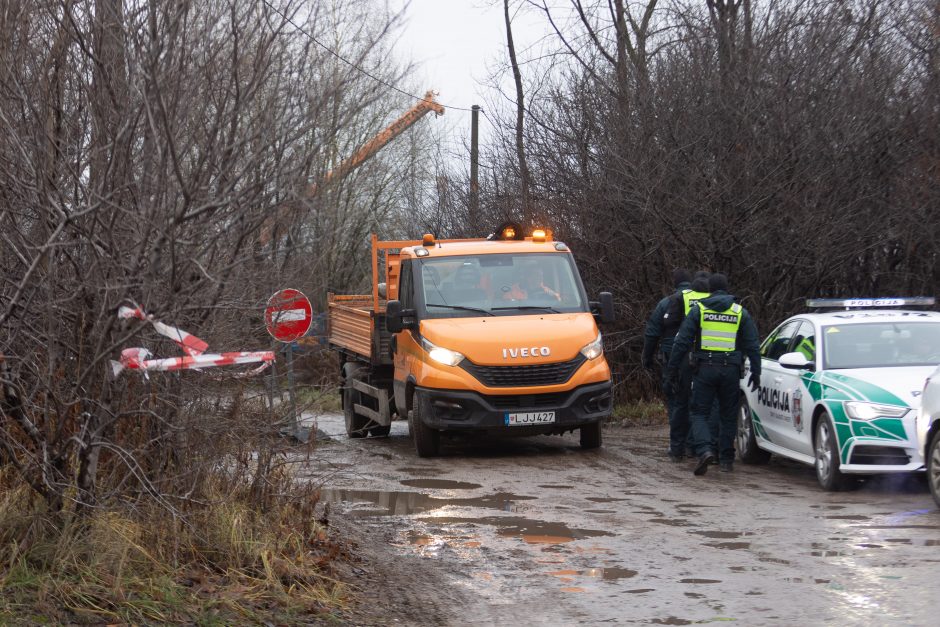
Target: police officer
720, 334
661, 330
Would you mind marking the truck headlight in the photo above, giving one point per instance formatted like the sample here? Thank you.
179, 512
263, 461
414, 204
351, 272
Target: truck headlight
869, 411
441, 355
595, 349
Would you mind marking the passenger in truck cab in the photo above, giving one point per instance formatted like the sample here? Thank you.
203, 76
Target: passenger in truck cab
466, 289
530, 285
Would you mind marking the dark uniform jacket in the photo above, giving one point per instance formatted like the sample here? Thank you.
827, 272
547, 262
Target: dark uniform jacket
746, 344
658, 327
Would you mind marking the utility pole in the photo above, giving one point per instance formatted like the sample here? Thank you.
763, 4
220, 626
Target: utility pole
474, 165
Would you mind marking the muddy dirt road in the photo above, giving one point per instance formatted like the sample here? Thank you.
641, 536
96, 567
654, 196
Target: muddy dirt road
536, 531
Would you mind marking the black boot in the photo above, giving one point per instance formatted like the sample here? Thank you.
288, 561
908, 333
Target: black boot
703, 462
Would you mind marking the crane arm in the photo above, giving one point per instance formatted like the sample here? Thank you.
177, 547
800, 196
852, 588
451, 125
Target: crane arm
393, 130
362, 154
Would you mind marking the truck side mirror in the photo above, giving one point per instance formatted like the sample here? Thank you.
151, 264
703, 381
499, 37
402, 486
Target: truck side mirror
397, 318
604, 309
393, 322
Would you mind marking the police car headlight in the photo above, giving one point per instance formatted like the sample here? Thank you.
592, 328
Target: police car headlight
595, 349
869, 411
441, 355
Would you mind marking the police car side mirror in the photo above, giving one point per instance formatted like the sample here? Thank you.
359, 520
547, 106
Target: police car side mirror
795, 361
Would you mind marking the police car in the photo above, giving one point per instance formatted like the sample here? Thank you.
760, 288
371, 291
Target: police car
840, 388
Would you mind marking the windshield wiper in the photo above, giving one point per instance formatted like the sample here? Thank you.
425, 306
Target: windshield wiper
462, 308
540, 307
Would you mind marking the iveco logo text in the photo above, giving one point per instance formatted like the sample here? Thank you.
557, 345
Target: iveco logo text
528, 351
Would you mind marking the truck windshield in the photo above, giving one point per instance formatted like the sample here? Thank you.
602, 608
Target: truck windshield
882, 344
499, 284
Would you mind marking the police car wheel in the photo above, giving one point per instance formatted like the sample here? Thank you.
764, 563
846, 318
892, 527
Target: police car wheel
748, 450
933, 466
826, 450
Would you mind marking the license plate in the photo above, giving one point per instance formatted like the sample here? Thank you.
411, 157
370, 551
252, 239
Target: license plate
529, 418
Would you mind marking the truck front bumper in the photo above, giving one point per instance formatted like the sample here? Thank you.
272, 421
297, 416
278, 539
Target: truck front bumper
463, 410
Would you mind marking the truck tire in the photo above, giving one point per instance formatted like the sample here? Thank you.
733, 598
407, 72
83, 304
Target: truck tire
591, 436
380, 431
355, 423
427, 441
827, 464
748, 450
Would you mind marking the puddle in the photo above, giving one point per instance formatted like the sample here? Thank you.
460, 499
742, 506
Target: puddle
848, 517
552, 486
603, 499
440, 484
640, 590
606, 573
393, 503
631, 493
600, 511
417, 470
773, 560
899, 540
734, 546
529, 530
695, 595
693, 580
671, 620
827, 553
673, 522
723, 535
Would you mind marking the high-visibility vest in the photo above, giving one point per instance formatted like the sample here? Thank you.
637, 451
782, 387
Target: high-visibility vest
720, 328
691, 297
807, 348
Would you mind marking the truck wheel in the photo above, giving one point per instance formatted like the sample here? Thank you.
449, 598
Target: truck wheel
380, 431
826, 450
748, 450
427, 441
591, 436
355, 424
933, 466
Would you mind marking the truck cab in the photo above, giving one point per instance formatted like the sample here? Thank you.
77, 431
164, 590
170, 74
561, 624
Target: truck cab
494, 335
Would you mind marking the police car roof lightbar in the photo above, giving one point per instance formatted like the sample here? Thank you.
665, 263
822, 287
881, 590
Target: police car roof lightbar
850, 303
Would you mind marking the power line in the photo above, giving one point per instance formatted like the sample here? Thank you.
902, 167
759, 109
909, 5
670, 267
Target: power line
350, 63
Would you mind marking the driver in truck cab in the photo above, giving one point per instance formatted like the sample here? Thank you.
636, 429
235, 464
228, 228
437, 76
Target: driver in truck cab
530, 284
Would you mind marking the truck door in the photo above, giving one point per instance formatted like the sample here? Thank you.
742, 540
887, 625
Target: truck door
402, 343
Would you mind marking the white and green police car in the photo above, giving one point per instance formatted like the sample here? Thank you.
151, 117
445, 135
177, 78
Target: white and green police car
840, 388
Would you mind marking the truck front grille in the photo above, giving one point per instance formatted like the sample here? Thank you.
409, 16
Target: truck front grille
523, 376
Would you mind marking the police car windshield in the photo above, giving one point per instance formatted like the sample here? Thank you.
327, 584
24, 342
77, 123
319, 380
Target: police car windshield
882, 344
499, 284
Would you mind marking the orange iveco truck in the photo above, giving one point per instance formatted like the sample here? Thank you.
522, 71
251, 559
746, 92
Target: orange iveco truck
488, 335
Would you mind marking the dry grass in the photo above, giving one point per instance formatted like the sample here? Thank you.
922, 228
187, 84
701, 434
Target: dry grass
640, 414
224, 562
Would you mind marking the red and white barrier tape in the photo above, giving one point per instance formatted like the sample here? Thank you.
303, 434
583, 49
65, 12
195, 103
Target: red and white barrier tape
196, 357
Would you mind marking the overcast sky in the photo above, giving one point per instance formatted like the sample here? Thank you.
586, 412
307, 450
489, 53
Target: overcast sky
456, 45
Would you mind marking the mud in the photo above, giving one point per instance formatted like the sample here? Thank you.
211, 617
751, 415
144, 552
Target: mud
511, 532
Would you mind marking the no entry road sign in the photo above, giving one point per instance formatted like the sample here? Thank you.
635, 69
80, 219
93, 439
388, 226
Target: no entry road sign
288, 315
